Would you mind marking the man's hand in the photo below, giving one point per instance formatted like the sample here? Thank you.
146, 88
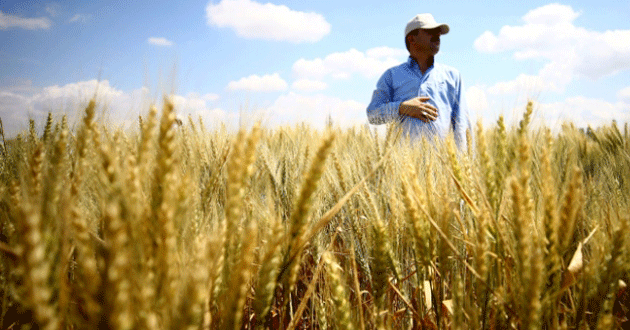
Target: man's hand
418, 108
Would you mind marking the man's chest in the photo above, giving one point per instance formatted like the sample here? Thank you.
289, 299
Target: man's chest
408, 84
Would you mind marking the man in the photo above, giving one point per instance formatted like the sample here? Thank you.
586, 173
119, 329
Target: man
425, 97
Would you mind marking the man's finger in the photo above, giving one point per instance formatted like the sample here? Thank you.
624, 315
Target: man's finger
427, 106
420, 114
429, 113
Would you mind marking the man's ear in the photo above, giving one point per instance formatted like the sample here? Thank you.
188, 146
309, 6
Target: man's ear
408, 40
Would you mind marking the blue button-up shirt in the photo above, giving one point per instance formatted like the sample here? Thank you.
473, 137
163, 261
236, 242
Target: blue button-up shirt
440, 82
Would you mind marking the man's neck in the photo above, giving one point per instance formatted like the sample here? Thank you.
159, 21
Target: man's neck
424, 61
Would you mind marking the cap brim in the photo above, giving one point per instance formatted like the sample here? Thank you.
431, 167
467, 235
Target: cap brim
443, 27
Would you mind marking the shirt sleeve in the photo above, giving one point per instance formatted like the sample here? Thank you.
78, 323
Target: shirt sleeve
461, 118
382, 109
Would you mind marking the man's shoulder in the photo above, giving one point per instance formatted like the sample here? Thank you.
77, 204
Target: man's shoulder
396, 71
406, 65
447, 72
446, 68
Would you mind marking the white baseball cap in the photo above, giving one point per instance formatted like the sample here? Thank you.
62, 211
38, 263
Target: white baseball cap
425, 22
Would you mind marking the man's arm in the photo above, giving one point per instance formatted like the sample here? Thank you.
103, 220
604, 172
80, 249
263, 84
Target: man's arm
382, 109
460, 117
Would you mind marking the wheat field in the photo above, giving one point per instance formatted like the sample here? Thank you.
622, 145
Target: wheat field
171, 226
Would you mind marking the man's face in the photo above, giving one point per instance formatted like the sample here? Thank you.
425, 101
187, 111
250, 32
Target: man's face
427, 41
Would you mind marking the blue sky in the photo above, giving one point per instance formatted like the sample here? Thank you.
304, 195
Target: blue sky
291, 61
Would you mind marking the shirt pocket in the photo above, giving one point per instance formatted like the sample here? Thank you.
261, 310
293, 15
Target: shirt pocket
439, 93
432, 88
435, 87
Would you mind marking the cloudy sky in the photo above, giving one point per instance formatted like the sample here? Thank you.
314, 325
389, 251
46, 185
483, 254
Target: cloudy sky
289, 61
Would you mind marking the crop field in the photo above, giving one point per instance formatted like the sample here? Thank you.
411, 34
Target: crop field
172, 226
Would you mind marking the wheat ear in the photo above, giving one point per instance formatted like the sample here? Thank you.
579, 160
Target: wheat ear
301, 211
339, 294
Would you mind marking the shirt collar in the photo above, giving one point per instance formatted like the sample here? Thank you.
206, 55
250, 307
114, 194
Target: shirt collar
411, 62
414, 65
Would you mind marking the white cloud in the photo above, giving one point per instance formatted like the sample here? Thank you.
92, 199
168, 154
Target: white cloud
53, 9
18, 104
80, 18
313, 68
604, 53
253, 20
266, 83
551, 14
385, 52
196, 106
160, 42
584, 111
342, 65
579, 110
309, 85
544, 27
569, 52
11, 21
522, 84
10, 95
340, 75
476, 99
292, 108
63, 96
192, 102
548, 33
624, 94
115, 107
210, 97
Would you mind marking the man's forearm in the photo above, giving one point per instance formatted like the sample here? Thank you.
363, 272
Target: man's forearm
383, 113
